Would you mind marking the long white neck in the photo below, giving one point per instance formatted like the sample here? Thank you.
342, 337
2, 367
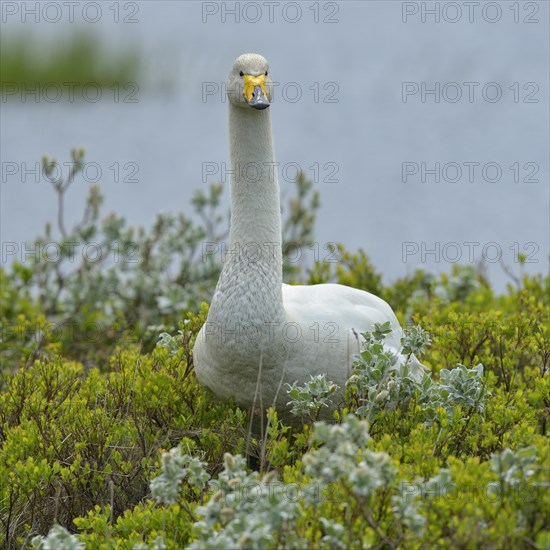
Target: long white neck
255, 208
250, 285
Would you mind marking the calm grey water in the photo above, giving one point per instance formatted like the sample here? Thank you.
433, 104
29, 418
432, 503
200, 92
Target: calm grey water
366, 125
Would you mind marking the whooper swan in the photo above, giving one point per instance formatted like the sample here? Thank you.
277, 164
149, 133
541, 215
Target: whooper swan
260, 333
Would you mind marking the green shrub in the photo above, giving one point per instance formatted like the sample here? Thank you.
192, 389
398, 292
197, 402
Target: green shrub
74, 439
142, 282
112, 443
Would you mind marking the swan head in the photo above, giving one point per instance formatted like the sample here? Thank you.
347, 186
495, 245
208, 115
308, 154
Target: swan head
249, 83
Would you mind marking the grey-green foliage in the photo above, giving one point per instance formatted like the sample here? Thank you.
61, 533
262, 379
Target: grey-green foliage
415, 340
344, 459
406, 504
514, 467
309, 399
382, 380
103, 272
337, 459
462, 386
171, 343
112, 272
246, 511
458, 386
158, 544
175, 468
408, 511
334, 534
58, 538
459, 285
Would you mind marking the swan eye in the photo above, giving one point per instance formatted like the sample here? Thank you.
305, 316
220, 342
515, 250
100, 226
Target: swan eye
266, 73
241, 74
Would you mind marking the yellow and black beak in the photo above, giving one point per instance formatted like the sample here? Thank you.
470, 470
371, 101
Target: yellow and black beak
255, 92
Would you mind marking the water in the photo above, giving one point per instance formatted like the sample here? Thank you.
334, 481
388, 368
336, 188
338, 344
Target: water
355, 145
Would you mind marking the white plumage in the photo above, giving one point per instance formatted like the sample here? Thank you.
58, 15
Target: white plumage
261, 333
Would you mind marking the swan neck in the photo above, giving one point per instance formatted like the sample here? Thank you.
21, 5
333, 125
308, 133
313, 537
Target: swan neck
255, 206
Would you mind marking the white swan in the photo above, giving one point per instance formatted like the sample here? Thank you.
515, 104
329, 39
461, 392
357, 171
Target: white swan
261, 333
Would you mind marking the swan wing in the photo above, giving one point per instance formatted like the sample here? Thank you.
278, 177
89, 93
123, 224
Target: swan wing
338, 313
341, 307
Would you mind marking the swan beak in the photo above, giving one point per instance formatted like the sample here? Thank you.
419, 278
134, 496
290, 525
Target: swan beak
255, 92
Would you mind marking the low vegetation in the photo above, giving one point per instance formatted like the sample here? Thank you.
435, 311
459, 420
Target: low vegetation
64, 68
108, 441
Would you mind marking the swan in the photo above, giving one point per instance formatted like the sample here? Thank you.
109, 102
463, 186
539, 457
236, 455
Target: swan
261, 334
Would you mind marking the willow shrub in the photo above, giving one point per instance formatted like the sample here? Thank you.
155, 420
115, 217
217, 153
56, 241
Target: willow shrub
80, 447
111, 442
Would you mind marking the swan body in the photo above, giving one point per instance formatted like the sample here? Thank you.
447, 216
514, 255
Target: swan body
260, 333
